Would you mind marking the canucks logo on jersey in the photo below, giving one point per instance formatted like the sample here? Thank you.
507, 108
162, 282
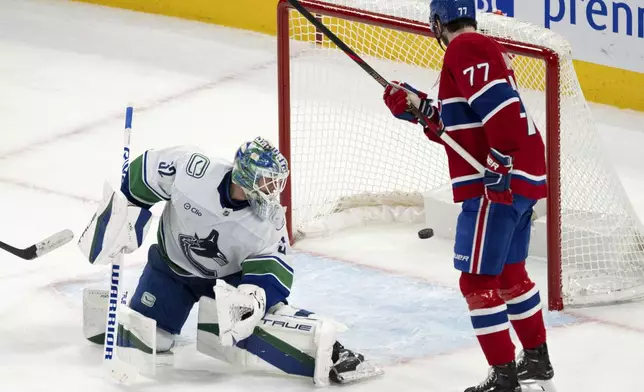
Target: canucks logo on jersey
203, 247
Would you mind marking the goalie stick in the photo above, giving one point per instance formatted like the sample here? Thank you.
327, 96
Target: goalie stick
119, 370
384, 83
40, 248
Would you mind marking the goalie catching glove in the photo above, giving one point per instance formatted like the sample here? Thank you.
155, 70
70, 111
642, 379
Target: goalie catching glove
117, 226
399, 97
239, 310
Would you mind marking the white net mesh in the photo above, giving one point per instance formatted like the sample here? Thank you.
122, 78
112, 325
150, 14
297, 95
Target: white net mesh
347, 149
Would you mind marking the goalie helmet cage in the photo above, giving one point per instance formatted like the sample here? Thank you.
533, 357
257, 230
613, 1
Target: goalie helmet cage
346, 150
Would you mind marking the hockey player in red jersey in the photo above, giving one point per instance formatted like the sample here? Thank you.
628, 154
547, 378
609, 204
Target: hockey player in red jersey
480, 108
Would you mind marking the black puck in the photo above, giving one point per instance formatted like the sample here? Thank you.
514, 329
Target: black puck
425, 233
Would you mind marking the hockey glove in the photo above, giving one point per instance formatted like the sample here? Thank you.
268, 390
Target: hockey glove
239, 311
497, 177
117, 226
399, 97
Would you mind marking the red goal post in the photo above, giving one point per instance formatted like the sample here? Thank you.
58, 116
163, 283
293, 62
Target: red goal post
369, 32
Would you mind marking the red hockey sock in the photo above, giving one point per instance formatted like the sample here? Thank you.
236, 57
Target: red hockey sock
524, 305
489, 317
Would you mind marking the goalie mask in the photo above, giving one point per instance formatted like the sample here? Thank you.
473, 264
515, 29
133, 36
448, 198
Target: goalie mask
261, 171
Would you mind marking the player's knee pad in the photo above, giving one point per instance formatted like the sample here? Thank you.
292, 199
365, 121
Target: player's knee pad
480, 291
282, 343
514, 281
488, 314
519, 292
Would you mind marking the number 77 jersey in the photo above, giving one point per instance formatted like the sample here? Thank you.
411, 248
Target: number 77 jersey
480, 107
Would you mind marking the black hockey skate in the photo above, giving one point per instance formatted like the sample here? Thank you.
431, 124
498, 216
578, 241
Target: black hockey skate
500, 378
349, 366
534, 367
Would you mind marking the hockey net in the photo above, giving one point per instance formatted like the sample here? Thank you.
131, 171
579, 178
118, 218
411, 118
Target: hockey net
349, 156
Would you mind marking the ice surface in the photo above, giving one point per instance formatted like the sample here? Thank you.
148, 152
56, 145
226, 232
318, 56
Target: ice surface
68, 70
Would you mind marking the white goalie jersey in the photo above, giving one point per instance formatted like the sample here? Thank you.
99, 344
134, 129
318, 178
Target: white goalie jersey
202, 231
205, 233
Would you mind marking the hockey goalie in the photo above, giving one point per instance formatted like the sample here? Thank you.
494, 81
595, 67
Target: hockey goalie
222, 243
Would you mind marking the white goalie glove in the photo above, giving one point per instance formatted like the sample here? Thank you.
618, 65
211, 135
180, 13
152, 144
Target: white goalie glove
117, 226
239, 310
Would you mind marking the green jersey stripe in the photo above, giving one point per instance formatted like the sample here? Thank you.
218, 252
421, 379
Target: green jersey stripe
268, 266
138, 188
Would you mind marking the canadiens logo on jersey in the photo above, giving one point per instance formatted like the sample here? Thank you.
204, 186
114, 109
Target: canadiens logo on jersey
203, 247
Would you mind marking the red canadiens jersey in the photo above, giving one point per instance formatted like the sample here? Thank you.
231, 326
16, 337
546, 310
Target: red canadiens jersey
480, 108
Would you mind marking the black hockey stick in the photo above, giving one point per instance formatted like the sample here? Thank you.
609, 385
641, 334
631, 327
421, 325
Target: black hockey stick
346, 49
384, 83
40, 248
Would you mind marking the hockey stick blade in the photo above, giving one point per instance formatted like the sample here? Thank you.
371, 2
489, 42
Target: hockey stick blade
41, 248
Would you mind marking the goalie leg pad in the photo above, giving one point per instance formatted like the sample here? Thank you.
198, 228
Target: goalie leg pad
136, 343
137, 339
95, 304
281, 344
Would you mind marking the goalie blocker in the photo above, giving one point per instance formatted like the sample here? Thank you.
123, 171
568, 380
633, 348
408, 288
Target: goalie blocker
287, 341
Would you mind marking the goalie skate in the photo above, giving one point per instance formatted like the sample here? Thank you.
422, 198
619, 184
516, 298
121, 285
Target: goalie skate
350, 367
